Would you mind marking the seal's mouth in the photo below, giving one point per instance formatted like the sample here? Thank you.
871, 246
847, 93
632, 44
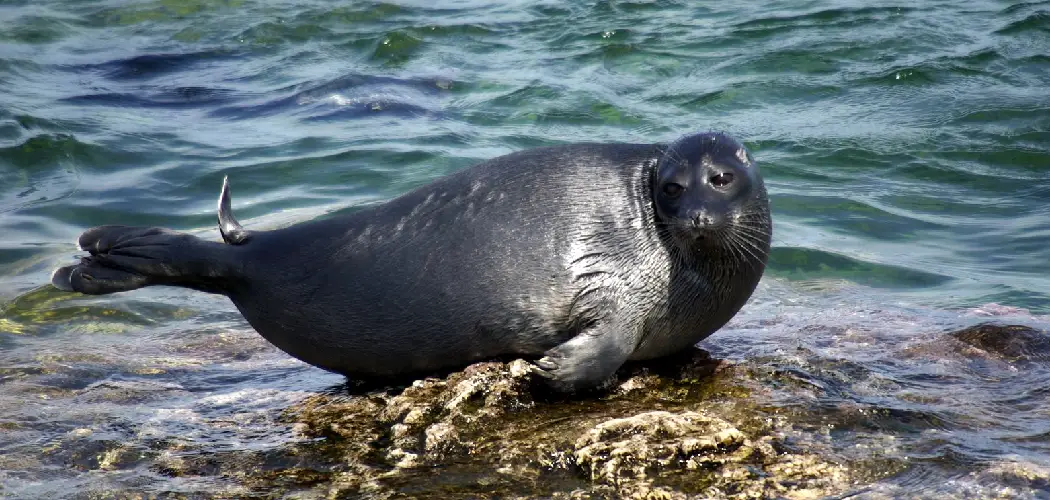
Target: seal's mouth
707, 237
739, 236
707, 228
730, 238
700, 237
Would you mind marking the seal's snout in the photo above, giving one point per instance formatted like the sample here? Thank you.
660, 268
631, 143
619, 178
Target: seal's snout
704, 220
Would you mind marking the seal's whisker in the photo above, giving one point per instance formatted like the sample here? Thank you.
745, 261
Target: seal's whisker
741, 249
754, 241
731, 245
747, 247
752, 231
675, 155
757, 234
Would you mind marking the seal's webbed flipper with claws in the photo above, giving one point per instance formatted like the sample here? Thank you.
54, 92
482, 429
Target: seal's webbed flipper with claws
591, 357
231, 230
124, 258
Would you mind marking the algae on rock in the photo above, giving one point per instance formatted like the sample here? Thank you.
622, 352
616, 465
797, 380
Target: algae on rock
492, 429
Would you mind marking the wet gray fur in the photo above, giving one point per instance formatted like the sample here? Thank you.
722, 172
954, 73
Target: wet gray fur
575, 256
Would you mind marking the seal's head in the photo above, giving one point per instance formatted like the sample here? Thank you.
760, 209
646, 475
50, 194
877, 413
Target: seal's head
710, 198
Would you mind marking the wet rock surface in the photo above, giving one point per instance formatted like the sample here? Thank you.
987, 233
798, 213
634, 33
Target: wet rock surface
802, 422
1007, 342
686, 430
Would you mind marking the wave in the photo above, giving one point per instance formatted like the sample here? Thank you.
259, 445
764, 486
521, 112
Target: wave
349, 96
1037, 21
173, 98
149, 66
770, 25
810, 264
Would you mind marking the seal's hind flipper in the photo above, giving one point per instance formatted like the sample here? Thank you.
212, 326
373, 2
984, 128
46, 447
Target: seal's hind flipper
125, 258
231, 230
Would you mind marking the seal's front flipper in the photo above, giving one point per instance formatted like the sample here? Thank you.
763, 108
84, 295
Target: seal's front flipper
231, 230
588, 359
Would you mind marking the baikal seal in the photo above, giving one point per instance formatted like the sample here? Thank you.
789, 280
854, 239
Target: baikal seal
577, 257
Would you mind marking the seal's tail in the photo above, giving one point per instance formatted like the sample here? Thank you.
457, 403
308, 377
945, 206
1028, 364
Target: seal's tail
124, 258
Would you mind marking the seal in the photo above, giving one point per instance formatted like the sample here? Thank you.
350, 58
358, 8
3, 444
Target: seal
577, 257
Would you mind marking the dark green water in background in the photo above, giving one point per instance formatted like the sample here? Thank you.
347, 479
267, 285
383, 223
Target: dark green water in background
906, 148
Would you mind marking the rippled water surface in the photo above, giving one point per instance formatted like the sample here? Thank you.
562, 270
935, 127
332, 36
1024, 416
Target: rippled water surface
906, 148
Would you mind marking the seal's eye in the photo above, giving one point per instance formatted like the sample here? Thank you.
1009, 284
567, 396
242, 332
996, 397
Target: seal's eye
673, 190
722, 180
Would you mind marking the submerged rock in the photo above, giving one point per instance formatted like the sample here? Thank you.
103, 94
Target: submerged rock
1009, 342
683, 431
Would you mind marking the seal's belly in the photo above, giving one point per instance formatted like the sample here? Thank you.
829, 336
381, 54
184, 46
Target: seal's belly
393, 338
410, 309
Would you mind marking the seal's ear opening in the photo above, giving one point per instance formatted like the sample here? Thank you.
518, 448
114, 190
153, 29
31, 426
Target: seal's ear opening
231, 230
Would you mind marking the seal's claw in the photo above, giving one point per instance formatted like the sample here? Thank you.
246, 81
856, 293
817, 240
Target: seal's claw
545, 367
60, 279
546, 363
543, 373
232, 232
562, 372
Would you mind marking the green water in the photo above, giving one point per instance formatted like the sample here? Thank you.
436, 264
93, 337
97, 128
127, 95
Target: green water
906, 148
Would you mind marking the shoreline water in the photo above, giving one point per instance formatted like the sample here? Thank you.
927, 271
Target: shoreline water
906, 151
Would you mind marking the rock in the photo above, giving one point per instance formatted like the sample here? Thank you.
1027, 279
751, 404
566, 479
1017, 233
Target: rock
1022, 474
684, 430
1008, 342
623, 448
